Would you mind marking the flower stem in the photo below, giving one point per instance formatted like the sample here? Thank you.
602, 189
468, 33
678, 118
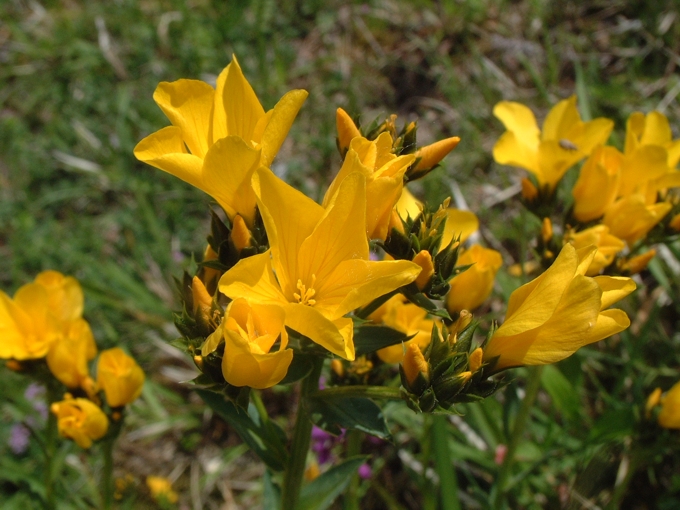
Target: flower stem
354, 438
302, 434
448, 482
533, 384
107, 452
50, 443
378, 392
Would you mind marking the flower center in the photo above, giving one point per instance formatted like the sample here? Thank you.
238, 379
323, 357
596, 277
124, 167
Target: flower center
306, 294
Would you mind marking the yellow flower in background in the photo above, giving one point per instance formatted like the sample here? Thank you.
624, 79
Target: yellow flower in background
384, 173
631, 218
27, 326
119, 375
64, 294
651, 129
472, 287
397, 313
554, 315
607, 246
249, 332
227, 132
548, 154
81, 420
669, 417
161, 489
68, 356
318, 266
598, 183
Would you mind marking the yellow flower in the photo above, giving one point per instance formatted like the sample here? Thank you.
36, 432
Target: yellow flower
384, 173
562, 310
318, 266
249, 332
638, 263
471, 288
347, 130
651, 129
119, 375
80, 420
227, 132
631, 218
68, 356
607, 246
64, 294
27, 326
564, 141
598, 183
161, 489
399, 314
669, 417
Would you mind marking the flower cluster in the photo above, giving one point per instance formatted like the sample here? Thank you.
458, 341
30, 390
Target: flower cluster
46, 336
360, 276
619, 197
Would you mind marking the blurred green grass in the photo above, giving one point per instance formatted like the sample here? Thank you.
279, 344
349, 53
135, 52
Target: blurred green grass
76, 80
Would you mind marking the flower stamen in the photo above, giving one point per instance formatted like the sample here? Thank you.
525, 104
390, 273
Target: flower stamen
306, 294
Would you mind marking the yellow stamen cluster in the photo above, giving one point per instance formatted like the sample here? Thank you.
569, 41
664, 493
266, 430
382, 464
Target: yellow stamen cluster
306, 294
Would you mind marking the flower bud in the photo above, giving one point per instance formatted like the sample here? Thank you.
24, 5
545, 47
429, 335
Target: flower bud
546, 230
119, 376
415, 365
67, 358
240, 235
475, 360
202, 300
653, 400
424, 260
529, 191
675, 223
80, 420
639, 263
669, 417
430, 155
161, 489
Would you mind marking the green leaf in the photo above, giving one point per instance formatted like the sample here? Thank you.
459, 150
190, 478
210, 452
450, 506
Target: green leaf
371, 338
272, 493
363, 414
320, 494
299, 368
265, 438
613, 424
561, 391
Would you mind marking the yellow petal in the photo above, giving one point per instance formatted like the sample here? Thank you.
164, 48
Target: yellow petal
561, 118
336, 336
188, 104
13, 321
347, 129
166, 151
243, 367
669, 417
281, 120
64, 295
614, 288
520, 120
350, 164
252, 278
534, 303
591, 134
647, 163
289, 218
382, 194
408, 205
340, 234
510, 151
227, 171
219, 115
657, 130
459, 222
355, 283
241, 105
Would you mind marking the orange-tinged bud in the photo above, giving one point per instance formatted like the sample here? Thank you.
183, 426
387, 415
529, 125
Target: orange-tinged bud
529, 191
119, 376
546, 230
432, 154
675, 223
202, 300
347, 129
240, 235
653, 400
475, 361
312, 472
465, 376
424, 260
13, 365
337, 367
639, 263
80, 420
414, 363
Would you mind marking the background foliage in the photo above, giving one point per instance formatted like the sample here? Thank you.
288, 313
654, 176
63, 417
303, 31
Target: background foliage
76, 80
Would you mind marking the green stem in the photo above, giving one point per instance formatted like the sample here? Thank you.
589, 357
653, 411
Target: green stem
50, 449
533, 384
354, 438
302, 435
448, 482
107, 452
378, 392
621, 489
